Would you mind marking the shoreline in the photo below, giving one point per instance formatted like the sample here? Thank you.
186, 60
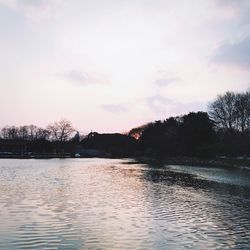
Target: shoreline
191, 161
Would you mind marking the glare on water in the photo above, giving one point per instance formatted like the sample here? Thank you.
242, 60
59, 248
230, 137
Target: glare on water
113, 204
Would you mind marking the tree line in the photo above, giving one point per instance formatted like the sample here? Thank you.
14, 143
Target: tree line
58, 139
224, 130
231, 111
59, 131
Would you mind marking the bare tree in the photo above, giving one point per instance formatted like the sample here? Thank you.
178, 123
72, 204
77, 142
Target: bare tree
43, 134
242, 106
23, 132
32, 129
248, 108
4, 133
223, 110
10, 133
36, 133
231, 111
61, 131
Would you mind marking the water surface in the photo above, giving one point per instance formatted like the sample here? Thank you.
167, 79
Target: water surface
113, 204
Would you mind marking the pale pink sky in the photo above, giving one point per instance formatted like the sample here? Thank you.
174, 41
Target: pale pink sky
110, 65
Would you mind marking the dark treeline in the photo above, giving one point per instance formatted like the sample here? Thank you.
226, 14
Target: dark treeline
57, 139
222, 131
188, 135
118, 145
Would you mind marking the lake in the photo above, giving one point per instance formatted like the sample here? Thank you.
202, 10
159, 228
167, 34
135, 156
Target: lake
120, 204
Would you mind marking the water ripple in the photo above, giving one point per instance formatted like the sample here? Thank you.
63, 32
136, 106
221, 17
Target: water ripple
111, 204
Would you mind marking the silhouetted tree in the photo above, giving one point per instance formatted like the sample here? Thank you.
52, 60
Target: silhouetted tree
225, 131
61, 131
10, 133
223, 110
242, 106
186, 135
118, 145
23, 133
161, 138
26, 133
76, 138
196, 132
137, 132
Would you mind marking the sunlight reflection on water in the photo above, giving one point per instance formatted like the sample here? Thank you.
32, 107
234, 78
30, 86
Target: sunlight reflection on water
110, 204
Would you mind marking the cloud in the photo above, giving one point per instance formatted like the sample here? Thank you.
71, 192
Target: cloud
166, 81
234, 53
12, 4
36, 10
184, 108
114, 108
158, 104
232, 8
85, 78
238, 3
164, 106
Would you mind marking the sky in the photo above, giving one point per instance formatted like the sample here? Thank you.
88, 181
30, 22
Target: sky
111, 65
